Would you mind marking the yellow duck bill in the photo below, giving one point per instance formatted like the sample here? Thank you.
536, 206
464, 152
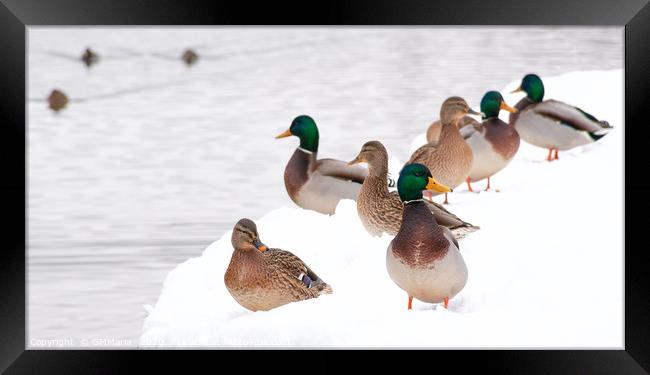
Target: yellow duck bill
286, 133
508, 108
437, 186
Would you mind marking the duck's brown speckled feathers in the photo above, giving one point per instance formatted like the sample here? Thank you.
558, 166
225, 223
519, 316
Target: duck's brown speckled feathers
381, 211
271, 278
449, 160
433, 132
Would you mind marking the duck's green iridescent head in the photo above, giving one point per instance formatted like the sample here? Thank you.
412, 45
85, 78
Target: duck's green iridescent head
533, 87
303, 127
414, 178
492, 103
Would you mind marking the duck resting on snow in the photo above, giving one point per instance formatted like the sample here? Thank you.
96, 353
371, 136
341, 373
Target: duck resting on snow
423, 259
553, 124
381, 211
450, 158
318, 184
260, 278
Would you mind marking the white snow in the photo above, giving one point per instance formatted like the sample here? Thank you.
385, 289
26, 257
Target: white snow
545, 270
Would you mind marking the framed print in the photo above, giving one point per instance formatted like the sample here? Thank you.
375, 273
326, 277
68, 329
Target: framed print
381, 176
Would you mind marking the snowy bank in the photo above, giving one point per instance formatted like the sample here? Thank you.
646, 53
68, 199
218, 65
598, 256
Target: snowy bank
545, 270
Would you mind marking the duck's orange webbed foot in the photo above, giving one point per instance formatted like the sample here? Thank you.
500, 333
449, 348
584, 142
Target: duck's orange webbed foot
556, 156
446, 303
446, 201
469, 185
548, 157
488, 185
410, 307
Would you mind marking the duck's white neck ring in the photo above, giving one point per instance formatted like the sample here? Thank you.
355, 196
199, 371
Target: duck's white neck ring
414, 200
305, 151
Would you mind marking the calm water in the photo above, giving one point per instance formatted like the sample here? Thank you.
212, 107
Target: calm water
152, 161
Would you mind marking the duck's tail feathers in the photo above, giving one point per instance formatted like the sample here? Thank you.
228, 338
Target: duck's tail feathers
598, 134
463, 231
322, 288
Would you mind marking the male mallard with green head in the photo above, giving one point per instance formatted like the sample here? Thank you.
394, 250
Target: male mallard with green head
381, 211
553, 124
260, 278
314, 184
449, 159
423, 259
494, 143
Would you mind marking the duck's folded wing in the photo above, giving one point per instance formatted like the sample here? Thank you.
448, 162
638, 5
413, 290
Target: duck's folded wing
472, 128
569, 115
420, 155
444, 217
339, 169
290, 265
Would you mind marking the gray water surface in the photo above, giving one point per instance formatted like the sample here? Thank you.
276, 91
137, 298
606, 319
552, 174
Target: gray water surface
152, 160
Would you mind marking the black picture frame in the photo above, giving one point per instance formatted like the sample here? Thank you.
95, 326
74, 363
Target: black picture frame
17, 15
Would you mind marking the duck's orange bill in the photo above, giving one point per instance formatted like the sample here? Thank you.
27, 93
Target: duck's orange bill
262, 248
437, 186
508, 108
518, 89
287, 133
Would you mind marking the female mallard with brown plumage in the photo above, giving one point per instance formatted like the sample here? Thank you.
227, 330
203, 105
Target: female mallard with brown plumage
494, 143
314, 184
433, 132
423, 259
381, 211
449, 159
260, 278
553, 124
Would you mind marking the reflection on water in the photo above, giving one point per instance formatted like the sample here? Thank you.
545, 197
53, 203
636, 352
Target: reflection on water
152, 160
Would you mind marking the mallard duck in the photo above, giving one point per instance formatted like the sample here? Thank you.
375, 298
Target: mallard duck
189, 57
314, 184
260, 278
553, 124
89, 57
450, 158
433, 132
423, 259
381, 211
494, 143
57, 100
